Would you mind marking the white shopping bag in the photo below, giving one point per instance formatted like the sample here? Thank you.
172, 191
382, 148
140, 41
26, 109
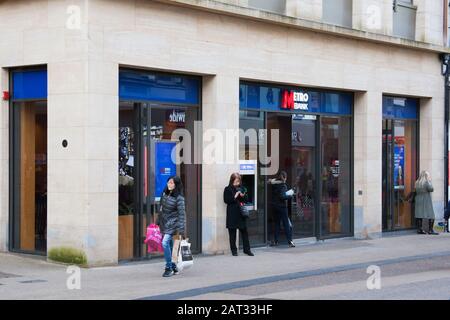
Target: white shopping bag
185, 258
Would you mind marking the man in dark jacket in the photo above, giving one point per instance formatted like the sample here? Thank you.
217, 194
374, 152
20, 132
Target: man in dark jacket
280, 197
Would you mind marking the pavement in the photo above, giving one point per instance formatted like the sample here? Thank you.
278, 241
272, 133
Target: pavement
410, 266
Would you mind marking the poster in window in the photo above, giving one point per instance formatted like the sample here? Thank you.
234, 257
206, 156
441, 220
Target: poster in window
399, 167
164, 166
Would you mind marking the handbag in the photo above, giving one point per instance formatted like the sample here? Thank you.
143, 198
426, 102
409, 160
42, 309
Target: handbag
153, 239
244, 211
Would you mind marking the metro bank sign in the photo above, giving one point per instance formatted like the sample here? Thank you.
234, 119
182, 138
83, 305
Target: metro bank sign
294, 100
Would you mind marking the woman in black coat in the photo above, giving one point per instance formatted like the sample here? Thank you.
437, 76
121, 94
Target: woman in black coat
233, 197
171, 220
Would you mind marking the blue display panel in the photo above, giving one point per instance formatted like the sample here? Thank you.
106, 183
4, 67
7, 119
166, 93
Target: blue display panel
165, 88
400, 108
270, 98
164, 166
30, 84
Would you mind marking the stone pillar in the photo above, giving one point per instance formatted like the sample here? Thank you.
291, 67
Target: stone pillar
220, 113
4, 164
304, 9
430, 21
83, 178
432, 148
373, 16
368, 118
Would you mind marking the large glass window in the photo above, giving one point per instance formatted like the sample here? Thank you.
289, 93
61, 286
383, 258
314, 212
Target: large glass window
252, 124
399, 172
335, 176
29, 134
145, 164
338, 12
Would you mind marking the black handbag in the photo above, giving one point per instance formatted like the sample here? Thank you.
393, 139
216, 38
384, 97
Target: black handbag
244, 210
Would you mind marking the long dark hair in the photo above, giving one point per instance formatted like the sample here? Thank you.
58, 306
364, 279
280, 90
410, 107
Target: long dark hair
233, 177
178, 191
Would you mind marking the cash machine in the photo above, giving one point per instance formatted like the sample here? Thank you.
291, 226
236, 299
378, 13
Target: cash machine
248, 172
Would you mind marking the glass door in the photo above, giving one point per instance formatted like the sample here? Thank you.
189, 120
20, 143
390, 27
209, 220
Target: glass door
298, 152
29, 169
303, 173
399, 173
336, 183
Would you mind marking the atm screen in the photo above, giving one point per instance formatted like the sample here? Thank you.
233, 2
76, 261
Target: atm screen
248, 182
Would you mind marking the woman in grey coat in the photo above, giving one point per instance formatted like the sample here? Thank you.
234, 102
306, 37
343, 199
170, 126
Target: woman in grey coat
423, 203
171, 220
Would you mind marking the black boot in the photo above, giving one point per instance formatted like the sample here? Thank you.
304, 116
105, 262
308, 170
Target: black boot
446, 226
419, 227
431, 228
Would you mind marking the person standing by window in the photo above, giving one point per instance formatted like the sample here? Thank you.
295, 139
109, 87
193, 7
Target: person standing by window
171, 220
423, 203
233, 196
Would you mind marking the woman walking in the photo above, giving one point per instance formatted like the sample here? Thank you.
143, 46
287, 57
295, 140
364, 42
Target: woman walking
233, 197
171, 220
423, 204
280, 197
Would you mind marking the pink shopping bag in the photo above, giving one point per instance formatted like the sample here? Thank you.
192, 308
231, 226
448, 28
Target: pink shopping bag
153, 239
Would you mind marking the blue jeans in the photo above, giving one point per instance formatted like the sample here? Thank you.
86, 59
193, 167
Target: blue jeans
167, 244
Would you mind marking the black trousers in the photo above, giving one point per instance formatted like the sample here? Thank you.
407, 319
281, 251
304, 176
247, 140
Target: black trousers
244, 236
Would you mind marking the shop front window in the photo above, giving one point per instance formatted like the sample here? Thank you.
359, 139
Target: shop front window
335, 176
146, 142
252, 125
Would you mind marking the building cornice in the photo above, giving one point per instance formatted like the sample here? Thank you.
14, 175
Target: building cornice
298, 23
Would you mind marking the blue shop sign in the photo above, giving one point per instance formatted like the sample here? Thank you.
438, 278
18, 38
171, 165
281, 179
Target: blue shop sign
268, 98
400, 108
158, 87
29, 85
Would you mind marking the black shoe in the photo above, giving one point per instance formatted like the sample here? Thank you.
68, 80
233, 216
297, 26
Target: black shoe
274, 244
235, 254
291, 244
175, 270
433, 233
421, 232
168, 273
249, 253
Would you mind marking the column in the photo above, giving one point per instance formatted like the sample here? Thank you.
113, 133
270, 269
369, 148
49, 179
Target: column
431, 148
304, 9
430, 21
368, 117
220, 114
373, 16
